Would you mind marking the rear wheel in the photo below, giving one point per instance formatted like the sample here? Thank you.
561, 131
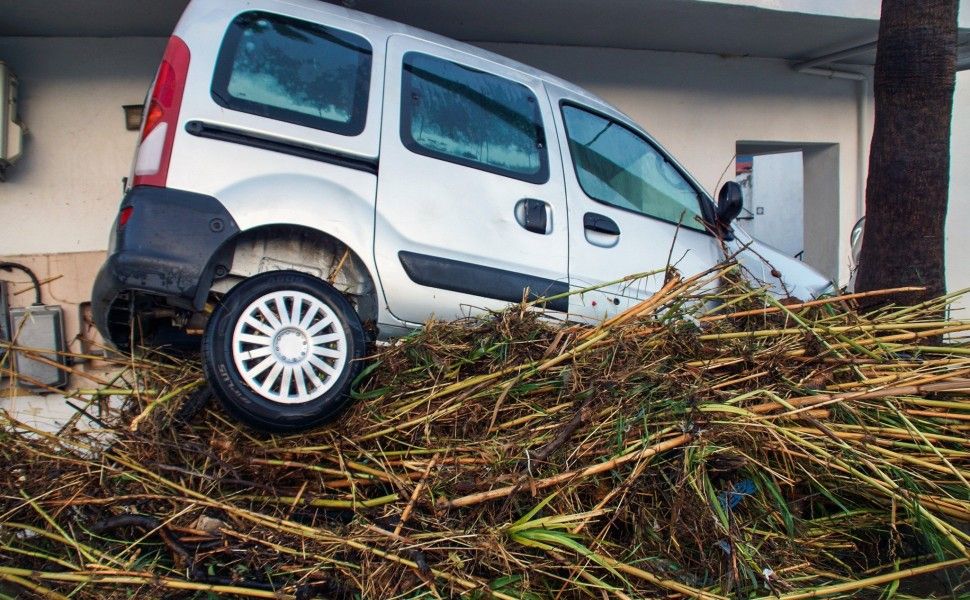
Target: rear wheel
282, 349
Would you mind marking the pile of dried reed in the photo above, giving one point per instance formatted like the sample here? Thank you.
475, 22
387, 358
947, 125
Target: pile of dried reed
739, 449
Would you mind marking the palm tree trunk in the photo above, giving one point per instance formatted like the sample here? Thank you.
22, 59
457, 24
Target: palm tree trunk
909, 164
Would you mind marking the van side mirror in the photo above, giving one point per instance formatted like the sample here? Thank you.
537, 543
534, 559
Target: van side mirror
729, 203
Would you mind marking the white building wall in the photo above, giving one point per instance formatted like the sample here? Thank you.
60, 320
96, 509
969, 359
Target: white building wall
63, 193
62, 196
851, 9
958, 212
699, 106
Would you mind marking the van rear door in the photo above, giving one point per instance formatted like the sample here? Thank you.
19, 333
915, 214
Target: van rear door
471, 207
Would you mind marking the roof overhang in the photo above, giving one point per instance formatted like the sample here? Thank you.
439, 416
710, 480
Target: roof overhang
793, 30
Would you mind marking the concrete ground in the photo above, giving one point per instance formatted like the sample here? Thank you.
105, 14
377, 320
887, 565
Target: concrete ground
47, 413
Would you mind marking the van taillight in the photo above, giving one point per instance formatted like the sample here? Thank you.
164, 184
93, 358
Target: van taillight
152, 119
161, 118
124, 216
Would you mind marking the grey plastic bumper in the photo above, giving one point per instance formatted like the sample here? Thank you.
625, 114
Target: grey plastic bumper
170, 247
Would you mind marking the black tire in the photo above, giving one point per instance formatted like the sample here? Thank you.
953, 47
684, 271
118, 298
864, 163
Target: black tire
194, 404
273, 408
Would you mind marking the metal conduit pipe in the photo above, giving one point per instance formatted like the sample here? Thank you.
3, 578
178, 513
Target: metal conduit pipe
835, 56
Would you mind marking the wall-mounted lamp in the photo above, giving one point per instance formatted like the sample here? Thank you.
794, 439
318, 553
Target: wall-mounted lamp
132, 116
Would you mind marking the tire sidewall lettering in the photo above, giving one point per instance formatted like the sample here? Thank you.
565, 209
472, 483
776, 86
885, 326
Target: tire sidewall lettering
241, 400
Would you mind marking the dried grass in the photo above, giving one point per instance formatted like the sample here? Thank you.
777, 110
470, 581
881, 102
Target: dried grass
747, 450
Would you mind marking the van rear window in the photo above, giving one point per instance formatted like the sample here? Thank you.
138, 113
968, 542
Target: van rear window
294, 71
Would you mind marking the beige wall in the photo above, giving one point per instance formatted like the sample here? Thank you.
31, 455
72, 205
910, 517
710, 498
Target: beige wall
699, 106
62, 195
59, 201
66, 280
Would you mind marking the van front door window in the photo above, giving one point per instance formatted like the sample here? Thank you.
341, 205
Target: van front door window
616, 166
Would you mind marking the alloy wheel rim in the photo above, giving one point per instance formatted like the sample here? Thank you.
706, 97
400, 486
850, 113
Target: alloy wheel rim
289, 347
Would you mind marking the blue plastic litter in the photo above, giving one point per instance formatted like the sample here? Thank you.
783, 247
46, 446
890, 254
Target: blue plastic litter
731, 498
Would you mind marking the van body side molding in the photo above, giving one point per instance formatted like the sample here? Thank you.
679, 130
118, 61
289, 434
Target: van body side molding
246, 138
488, 282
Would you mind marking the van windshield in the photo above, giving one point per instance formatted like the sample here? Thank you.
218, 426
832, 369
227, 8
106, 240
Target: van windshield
616, 166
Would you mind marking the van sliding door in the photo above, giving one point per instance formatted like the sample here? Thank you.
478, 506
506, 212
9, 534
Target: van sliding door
471, 209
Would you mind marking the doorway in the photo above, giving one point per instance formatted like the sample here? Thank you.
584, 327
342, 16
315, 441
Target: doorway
774, 198
791, 199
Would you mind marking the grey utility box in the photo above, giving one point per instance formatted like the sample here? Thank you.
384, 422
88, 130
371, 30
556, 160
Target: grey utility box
39, 328
4, 324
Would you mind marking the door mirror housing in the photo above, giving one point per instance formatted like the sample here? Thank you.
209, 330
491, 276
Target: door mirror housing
729, 203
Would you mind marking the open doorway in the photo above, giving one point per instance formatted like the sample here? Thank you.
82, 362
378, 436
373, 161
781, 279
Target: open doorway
791, 199
774, 198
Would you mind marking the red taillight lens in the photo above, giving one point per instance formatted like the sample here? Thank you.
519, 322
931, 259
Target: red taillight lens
153, 118
125, 216
167, 81
155, 151
162, 96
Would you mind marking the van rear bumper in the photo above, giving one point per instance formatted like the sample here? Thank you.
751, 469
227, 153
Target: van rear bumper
169, 248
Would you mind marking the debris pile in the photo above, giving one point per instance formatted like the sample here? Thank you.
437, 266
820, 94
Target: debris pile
689, 447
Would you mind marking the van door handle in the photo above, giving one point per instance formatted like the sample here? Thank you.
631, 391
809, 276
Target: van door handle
533, 215
600, 224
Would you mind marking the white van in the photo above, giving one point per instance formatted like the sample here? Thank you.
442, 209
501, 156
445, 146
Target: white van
311, 177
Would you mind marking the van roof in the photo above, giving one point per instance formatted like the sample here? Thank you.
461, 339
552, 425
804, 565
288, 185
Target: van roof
396, 28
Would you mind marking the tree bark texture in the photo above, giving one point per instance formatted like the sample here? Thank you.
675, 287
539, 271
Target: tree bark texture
909, 163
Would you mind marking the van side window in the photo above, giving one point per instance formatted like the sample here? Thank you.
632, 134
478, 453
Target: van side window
294, 71
617, 166
472, 118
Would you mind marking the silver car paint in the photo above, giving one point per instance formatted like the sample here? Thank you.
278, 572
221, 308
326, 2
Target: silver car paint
410, 205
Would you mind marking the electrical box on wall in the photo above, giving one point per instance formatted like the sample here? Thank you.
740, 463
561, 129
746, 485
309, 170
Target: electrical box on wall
11, 128
40, 328
4, 324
